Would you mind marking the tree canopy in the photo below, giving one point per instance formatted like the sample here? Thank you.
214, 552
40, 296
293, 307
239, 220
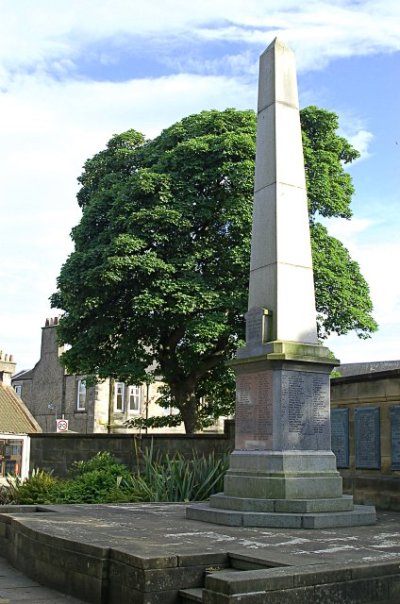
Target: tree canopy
158, 282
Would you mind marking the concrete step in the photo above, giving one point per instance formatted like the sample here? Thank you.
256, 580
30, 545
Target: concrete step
190, 596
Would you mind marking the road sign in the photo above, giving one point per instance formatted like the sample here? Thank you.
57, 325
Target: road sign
62, 425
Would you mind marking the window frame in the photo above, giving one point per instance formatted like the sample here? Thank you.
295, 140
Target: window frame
119, 396
81, 389
134, 393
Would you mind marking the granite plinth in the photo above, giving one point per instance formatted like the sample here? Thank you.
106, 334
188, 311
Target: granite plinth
358, 516
292, 489
283, 475
288, 506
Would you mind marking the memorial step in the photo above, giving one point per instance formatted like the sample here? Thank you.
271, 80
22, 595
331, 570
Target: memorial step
188, 596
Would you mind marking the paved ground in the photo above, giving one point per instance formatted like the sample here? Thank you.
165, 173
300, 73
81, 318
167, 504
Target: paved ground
16, 588
159, 530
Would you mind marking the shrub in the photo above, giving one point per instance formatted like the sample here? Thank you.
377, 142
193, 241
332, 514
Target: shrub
95, 480
102, 461
166, 478
6, 495
40, 487
103, 480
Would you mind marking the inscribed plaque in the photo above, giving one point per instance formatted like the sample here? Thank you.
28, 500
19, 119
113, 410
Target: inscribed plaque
395, 436
367, 438
256, 326
254, 410
340, 436
304, 404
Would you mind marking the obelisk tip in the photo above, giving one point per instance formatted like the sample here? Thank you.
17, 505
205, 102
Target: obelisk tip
277, 43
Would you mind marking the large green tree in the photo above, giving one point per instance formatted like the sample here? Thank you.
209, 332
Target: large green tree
157, 284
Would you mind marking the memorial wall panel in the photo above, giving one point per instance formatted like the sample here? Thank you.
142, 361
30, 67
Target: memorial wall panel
367, 438
340, 436
395, 436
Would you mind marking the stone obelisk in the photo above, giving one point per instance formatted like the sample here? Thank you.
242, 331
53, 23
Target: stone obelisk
282, 471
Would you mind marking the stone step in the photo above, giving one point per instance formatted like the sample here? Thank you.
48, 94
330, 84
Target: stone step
189, 596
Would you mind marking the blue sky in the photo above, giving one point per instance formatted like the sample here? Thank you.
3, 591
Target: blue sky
74, 73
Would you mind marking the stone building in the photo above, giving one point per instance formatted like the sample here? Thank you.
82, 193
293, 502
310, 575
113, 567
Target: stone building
51, 393
16, 422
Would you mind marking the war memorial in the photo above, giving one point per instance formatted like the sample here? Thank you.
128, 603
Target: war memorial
282, 472
282, 532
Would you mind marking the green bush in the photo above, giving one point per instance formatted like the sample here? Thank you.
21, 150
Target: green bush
102, 461
166, 478
94, 481
103, 480
6, 494
41, 487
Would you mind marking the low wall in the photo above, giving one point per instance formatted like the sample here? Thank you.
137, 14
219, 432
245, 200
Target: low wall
56, 452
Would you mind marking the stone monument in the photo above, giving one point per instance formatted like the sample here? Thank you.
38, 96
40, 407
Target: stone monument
282, 472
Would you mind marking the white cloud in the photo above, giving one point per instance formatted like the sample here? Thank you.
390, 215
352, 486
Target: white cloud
361, 141
345, 230
375, 257
318, 30
51, 120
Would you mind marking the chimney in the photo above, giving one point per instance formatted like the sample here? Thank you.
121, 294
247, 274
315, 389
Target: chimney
7, 368
49, 338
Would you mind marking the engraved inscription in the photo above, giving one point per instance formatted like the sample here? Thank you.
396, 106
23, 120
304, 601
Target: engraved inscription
320, 398
254, 329
340, 436
395, 436
295, 393
305, 410
255, 326
367, 441
254, 410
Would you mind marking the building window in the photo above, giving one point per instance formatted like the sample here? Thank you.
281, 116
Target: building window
10, 457
119, 396
81, 396
134, 399
18, 389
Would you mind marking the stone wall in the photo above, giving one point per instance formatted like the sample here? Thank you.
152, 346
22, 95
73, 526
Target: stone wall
58, 451
366, 436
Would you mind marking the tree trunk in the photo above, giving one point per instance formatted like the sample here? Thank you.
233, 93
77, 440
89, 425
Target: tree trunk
183, 398
189, 415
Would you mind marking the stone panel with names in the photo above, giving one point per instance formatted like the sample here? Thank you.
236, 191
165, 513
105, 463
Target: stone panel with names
340, 436
256, 326
395, 436
367, 438
305, 410
254, 410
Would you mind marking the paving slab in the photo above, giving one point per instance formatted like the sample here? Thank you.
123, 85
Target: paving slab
162, 549
161, 530
15, 588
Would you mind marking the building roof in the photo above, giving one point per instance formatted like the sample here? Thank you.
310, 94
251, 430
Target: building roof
25, 374
14, 415
352, 369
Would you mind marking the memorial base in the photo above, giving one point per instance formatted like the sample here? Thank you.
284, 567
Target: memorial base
360, 515
282, 472
288, 475
282, 489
